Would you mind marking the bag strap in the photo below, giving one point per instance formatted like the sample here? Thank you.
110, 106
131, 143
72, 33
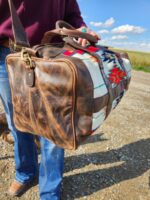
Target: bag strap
63, 24
66, 30
73, 32
20, 37
49, 35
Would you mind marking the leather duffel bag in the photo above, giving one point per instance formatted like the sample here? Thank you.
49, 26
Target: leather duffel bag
64, 91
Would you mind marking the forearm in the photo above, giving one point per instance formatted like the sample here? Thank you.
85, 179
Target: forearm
73, 14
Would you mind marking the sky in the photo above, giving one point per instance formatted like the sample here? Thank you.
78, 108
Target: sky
120, 23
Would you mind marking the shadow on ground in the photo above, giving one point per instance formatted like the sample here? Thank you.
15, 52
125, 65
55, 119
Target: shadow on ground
135, 160
132, 161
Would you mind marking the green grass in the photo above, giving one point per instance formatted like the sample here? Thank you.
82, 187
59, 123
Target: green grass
141, 68
140, 60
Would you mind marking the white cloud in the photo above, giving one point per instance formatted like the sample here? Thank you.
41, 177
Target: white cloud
135, 46
144, 44
119, 37
96, 24
109, 22
104, 31
128, 29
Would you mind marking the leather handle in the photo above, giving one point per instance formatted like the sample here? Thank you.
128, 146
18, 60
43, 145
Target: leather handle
63, 24
20, 36
64, 29
48, 36
71, 31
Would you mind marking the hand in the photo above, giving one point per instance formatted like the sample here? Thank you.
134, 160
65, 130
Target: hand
85, 29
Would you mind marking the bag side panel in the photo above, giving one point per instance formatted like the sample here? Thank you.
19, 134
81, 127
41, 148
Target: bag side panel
20, 93
118, 76
84, 101
45, 109
55, 83
97, 94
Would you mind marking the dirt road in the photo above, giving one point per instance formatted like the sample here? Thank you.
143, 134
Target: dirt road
113, 164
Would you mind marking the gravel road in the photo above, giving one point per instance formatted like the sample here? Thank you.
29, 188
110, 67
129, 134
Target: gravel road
113, 164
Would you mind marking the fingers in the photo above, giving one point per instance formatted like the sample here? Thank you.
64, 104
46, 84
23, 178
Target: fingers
94, 34
84, 42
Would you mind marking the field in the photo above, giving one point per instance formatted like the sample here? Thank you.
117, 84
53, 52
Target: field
140, 60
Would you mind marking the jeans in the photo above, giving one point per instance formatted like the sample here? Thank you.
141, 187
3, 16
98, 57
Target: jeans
25, 153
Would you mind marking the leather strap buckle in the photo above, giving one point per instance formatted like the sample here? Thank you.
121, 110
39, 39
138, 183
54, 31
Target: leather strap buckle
27, 59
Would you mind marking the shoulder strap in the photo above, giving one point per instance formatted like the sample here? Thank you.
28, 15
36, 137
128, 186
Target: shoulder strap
20, 36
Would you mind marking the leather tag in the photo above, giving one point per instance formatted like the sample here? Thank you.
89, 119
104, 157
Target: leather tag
30, 77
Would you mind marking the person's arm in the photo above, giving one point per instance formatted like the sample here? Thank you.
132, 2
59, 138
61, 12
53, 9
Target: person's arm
73, 14
73, 17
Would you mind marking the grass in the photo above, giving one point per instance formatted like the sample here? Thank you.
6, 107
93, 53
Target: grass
139, 60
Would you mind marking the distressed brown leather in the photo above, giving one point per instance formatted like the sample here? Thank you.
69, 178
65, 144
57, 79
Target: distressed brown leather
53, 94
60, 104
19, 35
48, 108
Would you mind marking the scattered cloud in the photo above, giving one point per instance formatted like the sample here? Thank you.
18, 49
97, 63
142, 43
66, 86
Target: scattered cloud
128, 29
144, 44
103, 31
109, 22
128, 45
119, 37
96, 24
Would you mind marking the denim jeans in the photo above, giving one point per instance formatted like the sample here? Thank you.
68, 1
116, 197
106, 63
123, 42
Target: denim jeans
25, 153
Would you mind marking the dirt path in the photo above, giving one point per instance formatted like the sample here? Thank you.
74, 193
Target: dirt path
113, 164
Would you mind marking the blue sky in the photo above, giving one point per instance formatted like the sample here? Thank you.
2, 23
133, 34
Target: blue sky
121, 23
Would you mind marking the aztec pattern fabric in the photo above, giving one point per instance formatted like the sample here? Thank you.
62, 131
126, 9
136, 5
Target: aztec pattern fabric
117, 70
67, 95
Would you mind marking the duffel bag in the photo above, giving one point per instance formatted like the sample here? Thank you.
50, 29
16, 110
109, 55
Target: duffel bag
64, 91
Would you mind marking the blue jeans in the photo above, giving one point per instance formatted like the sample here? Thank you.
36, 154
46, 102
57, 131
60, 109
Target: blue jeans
25, 153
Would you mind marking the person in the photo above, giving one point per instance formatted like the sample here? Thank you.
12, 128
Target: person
37, 17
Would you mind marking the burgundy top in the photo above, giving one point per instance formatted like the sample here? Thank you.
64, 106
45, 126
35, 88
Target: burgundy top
39, 16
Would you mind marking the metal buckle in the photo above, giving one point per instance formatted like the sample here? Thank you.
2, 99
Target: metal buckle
26, 58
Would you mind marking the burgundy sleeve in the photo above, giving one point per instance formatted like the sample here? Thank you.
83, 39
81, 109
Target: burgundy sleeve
73, 14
